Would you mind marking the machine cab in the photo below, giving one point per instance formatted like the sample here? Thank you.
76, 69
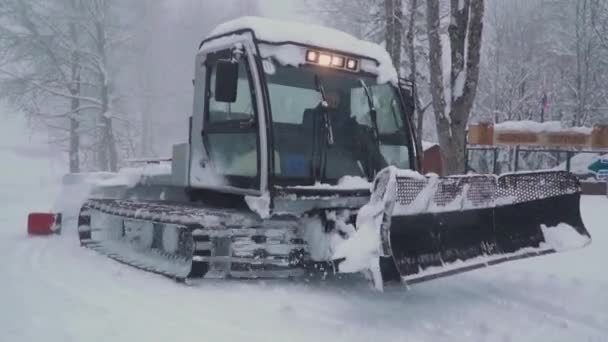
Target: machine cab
276, 109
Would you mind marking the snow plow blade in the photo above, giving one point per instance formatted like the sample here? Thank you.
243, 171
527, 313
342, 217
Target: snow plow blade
440, 226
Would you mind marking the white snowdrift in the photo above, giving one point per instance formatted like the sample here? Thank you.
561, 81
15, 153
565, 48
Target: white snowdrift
259, 204
362, 250
364, 245
321, 244
564, 237
428, 144
344, 183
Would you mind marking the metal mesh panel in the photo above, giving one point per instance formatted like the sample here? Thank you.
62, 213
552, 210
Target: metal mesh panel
408, 189
448, 189
482, 191
523, 187
478, 190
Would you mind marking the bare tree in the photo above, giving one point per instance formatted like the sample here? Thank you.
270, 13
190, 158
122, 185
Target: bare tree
58, 54
394, 29
454, 70
98, 12
42, 66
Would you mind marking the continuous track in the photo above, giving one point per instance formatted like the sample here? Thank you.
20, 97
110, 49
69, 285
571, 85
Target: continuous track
182, 241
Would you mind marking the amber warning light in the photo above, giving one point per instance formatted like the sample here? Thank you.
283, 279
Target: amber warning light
332, 60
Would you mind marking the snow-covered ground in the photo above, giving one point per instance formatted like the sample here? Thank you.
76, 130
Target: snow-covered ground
52, 290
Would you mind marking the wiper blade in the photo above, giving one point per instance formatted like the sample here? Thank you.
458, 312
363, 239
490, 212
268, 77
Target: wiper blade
373, 114
326, 121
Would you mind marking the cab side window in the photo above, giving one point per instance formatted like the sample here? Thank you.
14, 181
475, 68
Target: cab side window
241, 109
231, 133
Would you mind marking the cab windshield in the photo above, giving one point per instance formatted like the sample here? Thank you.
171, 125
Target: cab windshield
308, 148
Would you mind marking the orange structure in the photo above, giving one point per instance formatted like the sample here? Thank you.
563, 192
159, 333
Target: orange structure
529, 133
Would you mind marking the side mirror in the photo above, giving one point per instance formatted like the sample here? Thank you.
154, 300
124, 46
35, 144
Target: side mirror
226, 81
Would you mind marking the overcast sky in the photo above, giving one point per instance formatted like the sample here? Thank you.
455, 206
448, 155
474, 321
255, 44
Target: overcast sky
282, 9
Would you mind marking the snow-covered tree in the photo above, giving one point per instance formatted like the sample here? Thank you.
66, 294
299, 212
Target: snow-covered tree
58, 65
454, 73
42, 65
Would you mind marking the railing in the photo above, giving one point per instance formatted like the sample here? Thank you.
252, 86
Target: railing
568, 152
603, 175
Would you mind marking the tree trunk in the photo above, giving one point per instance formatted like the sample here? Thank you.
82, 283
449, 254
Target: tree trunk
146, 130
411, 51
74, 152
108, 141
108, 154
394, 29
452, 111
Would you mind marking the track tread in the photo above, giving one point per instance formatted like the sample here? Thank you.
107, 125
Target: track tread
202, 226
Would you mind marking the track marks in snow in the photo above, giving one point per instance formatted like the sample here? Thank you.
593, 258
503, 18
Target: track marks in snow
123, 309
110, 300
58, 291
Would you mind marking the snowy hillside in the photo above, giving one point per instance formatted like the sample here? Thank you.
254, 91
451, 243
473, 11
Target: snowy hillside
52, 290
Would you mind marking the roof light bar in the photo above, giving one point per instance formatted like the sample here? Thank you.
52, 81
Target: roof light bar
312, 56
352, 64
332, 60
337, 61
324, 60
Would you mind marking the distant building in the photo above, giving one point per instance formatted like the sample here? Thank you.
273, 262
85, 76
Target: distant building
431, 158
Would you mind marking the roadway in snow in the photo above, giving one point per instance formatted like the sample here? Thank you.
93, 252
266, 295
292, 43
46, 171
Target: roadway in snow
52, 290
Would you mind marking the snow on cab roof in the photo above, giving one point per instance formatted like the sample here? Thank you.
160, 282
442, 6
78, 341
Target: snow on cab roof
276, 31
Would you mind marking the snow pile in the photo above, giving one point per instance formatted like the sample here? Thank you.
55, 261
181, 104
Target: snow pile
353, 182
275, 31
259, 204
564, 237
344, 183
362, 250
539, 127
579, 163
131, 176
291, 55
426, 145
321, 244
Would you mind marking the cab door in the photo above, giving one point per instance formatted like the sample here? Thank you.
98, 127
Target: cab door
231, 130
